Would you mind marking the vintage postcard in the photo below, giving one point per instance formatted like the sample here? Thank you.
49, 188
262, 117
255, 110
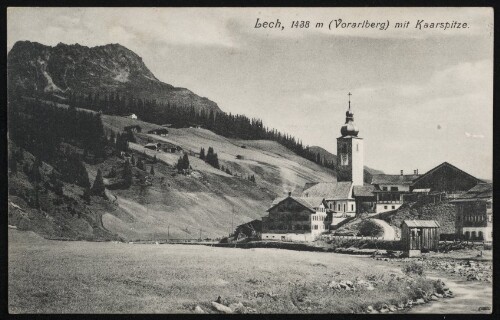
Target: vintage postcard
250, 160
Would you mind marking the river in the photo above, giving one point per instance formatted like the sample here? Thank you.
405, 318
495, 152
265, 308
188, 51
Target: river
469, 296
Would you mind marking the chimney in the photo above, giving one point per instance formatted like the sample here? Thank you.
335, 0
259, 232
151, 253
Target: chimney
401, 172
417, 171
289, 193
414, 171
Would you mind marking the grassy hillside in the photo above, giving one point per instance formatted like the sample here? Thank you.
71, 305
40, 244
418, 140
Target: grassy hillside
182, 206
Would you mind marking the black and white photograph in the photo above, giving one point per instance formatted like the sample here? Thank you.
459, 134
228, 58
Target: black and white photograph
250, 160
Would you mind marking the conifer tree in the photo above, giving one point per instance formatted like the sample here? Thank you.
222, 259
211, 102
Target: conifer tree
98, 188
86, 195
202, 154
152, 171
140, 165
185, 160
127, 173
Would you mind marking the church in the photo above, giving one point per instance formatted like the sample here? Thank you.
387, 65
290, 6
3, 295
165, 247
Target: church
324, 206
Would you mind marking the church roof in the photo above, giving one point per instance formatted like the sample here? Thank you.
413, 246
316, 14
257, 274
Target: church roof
329, 190
363, 191
406, 179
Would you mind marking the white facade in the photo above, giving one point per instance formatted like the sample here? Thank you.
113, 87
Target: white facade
291, 237
395, 187
486, 232
357, 161
342, 208
318, 225
384, 207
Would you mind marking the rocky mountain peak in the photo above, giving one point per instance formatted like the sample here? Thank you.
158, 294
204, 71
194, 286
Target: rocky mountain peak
37, 68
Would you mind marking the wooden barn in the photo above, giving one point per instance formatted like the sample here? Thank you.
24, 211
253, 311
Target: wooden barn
445, 178
418, 236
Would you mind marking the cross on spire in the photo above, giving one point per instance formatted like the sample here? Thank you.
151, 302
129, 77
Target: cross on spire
349, 95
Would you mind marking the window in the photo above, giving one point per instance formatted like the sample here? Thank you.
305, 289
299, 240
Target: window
315, 227
352, 207
394, 207
338, 207
344, 207
394, 188
385, 207
357, 147
384, 188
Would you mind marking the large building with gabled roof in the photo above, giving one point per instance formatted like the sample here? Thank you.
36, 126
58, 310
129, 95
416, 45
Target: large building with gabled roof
323, 206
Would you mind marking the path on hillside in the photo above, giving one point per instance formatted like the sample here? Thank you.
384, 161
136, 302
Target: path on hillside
389, 232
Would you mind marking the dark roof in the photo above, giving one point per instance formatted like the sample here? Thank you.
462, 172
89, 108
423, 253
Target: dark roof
158, 130
132, 126
308, 203
482, 191
363, 191
421, 223
329, 190
444, 164
406, 179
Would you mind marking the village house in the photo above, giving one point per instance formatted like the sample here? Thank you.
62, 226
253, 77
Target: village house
350, 195
445, 178
132, 128
293, 218
390, 190
159, 132
474, 213
169, 147
153, 146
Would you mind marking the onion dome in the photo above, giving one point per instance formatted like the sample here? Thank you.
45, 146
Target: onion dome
349, 128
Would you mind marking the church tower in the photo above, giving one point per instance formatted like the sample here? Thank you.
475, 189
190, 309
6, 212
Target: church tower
350, 151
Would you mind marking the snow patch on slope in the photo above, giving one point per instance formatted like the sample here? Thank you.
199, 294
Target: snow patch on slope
122, 76
51, 86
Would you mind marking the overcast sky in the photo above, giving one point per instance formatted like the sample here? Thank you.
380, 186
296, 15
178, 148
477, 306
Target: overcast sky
419, 97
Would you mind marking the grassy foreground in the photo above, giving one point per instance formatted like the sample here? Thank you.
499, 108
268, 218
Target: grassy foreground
47, 276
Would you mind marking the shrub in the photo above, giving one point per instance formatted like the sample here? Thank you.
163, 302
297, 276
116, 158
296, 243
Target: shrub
413, 268
369, 228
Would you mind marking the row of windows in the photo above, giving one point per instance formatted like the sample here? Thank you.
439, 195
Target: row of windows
392, 188
318, 218
474, 218
392, 207
339, 207
318, 227
293, 227
472, 235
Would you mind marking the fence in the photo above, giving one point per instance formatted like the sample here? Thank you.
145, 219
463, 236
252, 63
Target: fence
359, 238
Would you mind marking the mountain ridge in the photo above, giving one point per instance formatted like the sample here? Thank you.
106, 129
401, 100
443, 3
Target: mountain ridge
58, 70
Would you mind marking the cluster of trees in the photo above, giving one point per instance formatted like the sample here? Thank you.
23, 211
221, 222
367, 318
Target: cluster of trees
183, 163
227, 125
211, 157
40, 128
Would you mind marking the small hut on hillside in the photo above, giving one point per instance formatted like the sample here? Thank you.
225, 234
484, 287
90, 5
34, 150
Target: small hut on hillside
418, 236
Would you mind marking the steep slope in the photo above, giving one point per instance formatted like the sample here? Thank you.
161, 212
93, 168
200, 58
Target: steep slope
209, 200
34, 68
